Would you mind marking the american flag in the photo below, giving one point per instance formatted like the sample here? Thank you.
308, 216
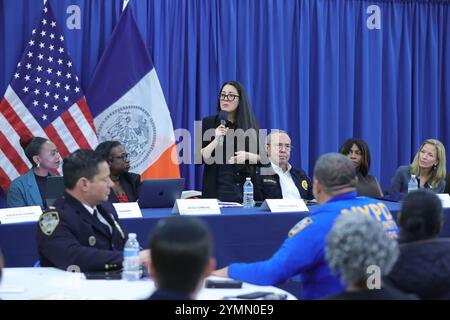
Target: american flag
43, 99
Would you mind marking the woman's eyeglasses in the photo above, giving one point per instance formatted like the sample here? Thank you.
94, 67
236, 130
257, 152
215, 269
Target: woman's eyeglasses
123, 157
227, 97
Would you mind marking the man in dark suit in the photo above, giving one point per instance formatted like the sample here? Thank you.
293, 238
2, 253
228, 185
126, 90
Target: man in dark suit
280, 180
81, 232
181, 258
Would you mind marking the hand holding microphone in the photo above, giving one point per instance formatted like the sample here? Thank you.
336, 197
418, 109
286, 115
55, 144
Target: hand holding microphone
222, 130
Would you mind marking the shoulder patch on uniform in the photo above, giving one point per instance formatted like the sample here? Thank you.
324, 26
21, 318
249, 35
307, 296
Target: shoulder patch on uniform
48, 222
301, 225
305, 185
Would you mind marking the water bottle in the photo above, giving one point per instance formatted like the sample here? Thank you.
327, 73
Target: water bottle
248, 193
412, 184
131, 266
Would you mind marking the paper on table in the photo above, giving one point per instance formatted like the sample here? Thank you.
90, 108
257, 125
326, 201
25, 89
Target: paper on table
229, 204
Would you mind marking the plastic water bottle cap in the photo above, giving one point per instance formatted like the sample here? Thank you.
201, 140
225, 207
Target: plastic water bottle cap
132, 236
248, 179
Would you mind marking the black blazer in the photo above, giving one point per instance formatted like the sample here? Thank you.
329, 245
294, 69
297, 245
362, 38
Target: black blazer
71, 235
268, 186
130, 183
209, 189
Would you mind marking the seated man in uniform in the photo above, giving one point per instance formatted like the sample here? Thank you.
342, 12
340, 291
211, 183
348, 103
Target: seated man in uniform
81, 231
280, 180
181, 258
302, 253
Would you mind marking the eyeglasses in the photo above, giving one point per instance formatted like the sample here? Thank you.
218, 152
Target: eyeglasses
229, 97
123, 157
280, 146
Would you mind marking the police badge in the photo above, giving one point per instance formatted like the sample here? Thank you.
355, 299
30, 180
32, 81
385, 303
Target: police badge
48, 222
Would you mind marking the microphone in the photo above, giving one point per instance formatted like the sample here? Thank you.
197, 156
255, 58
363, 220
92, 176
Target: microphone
223, 116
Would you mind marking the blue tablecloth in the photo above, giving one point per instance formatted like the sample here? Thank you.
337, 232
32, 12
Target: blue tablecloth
239, 234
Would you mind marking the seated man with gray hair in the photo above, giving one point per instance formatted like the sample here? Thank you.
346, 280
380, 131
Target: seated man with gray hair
280, 180
358, 249
303, 252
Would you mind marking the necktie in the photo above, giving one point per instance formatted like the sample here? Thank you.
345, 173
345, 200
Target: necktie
105, 227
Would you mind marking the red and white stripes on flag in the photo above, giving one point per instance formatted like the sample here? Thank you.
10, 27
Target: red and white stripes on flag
72, 130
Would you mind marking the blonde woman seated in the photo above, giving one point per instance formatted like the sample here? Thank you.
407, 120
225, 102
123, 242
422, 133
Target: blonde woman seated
428, 167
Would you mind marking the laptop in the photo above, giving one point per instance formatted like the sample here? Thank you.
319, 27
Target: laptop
54, 189
160, 193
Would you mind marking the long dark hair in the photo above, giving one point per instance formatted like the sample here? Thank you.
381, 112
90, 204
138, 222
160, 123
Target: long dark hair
364, 167
420, 216
245, 118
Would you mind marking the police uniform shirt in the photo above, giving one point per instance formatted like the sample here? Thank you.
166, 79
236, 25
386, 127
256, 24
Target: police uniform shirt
303, 252
287, 184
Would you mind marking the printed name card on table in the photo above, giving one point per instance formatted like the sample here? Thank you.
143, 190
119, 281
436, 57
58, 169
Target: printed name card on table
196, 206
127, 210
20, 214
284, 205
445, 199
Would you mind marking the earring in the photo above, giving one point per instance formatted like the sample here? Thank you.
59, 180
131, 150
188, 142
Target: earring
434, 167
38, 164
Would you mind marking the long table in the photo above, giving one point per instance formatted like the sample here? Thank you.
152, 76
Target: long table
244, 235
54, 284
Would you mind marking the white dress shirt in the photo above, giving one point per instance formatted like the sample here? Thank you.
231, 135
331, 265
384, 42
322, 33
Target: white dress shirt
288, 187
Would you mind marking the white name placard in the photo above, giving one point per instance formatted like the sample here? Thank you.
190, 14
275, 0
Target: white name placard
196, 206
284, 205
20, 214
127, 210
445, 199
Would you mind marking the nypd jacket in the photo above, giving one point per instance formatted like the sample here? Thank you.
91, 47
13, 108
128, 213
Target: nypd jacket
267, 186
69, 235
303, 253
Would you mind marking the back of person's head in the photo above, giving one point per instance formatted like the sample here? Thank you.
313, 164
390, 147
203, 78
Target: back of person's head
104, 148
32, 146
79, 164
365, 153
421, 216
357, 242
335, 171
181, 254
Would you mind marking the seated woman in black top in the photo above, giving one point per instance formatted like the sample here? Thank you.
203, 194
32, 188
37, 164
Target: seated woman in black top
358, 151
229, 155
423, 267
126, 184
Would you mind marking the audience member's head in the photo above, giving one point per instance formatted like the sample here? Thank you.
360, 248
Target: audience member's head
181, 255
41, 152
358, 152
431, 158
355, 243
421, 216
115, 154
334, 174
86, 177
278, 148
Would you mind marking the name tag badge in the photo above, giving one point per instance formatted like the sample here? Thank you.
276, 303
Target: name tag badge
20, 214
127, 210
284, 205
196, 207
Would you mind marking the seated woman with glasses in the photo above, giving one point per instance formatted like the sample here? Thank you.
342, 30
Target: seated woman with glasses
29, 188
229, 154
428, 166
126, 184
358, 152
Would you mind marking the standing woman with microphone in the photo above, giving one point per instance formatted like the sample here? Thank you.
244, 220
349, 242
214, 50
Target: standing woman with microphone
227, 154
